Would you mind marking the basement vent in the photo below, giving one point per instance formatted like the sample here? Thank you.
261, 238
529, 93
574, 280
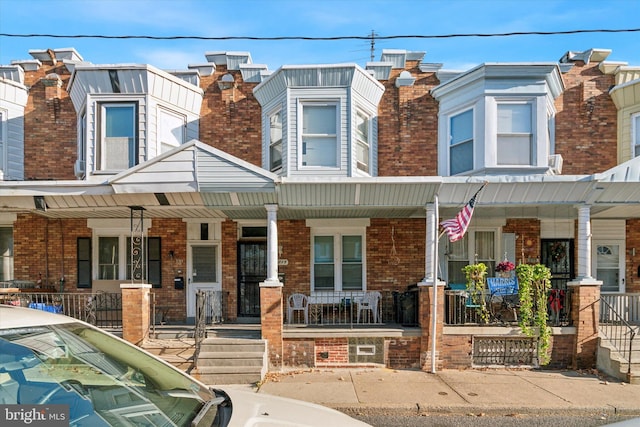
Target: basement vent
366, 350
505, 351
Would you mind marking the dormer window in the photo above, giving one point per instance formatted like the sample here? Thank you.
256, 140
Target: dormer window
319, 135
118, 147
514, 134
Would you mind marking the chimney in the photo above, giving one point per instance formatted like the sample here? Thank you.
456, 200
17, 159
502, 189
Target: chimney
52, 84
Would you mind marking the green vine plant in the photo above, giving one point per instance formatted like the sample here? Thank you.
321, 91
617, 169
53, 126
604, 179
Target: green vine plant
534, 282
476, 285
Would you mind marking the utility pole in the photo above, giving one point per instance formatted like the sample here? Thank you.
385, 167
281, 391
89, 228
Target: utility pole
373, 45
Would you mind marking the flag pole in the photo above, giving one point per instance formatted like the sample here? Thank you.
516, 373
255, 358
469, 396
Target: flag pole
434, 326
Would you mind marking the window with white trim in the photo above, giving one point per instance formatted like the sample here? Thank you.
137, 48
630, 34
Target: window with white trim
461, 142
476, 246
118, 142
114, 258
362, 133
275, 141
6, 253
338, 261
515, 136
635, 135
171, 129
319, 135
3, 139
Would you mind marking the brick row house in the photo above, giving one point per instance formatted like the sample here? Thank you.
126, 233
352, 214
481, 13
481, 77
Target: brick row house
327, 181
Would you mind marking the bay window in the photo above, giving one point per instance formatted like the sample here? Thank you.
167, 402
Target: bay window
319, 135
514, 137
461, 143
118, 147
338, 263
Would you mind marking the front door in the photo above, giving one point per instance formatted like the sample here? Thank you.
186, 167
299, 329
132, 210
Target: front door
202, 273
557, 255
252, 269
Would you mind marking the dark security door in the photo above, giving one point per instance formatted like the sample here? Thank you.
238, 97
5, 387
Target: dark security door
557, 254
252, 269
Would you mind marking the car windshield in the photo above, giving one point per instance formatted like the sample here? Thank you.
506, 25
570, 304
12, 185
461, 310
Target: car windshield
105, 381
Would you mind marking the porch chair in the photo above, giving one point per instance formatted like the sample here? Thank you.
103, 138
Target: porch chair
297, 302
369, 301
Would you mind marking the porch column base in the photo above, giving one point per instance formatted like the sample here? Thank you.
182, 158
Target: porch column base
426, 318
585, 314
136, 308
272, 320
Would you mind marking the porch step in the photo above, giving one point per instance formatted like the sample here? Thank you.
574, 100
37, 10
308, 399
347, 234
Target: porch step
231, 361
611, 362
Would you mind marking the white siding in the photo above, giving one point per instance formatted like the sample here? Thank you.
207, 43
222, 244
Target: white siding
13, 98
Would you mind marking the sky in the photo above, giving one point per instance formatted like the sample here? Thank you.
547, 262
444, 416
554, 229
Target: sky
319, 18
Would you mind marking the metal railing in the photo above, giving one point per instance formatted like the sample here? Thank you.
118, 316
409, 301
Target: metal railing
101, 309
209, 310
351, 309
459, 309
616, 330
627, 305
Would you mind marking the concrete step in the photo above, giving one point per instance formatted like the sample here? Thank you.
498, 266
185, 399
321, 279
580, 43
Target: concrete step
611, 362
231, 361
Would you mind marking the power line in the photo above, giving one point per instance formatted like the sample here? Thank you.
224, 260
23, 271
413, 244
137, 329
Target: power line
368, 37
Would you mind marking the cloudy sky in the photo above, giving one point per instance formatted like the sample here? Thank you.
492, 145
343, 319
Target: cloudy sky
319, 18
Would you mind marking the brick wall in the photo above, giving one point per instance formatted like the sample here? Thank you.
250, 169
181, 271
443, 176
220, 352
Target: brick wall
299, 353
632, 278
336, 350
586, 121
230, 268
403, 353
50, 136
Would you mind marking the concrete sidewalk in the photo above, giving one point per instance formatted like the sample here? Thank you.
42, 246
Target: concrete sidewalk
495, 391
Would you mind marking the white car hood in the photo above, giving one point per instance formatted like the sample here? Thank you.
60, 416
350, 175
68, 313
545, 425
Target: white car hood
251, 409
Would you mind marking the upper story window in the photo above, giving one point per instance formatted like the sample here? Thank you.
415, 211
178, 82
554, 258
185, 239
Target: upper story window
461, 143
118, 142
498, 119
320, 120
363, 149
3, 138
319, 135
171, 129
515, 137
275, 141
635, 140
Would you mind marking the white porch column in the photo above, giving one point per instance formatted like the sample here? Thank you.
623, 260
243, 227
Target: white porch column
430, 245
584, 242
272, 245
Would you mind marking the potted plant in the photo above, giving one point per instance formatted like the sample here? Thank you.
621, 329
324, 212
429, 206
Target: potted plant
505, 268
534, 282
476, 289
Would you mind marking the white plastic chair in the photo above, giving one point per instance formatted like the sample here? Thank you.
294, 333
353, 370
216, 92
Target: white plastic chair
369, 301
297, 302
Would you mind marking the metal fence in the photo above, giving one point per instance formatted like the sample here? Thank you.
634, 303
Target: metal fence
101, 309
345, 308
615, 326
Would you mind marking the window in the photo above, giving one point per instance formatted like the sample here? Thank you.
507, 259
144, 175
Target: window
118, 148
3, 140
608, 261
171, 129
514, 134
6, 253
84, 262
461, 143
114, 259
275, 141
319, 137
362, 141
474, 247
338, 262
635, 140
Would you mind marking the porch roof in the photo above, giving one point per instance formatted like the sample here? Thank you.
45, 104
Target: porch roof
199, 181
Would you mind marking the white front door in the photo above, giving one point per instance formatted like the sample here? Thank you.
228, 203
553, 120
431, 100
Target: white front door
608, 264
203, 272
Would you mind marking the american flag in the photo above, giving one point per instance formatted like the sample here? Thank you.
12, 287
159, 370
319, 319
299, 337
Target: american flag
456, 227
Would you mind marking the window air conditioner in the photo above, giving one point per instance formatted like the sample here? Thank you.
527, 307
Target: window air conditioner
79, 168
555, 164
